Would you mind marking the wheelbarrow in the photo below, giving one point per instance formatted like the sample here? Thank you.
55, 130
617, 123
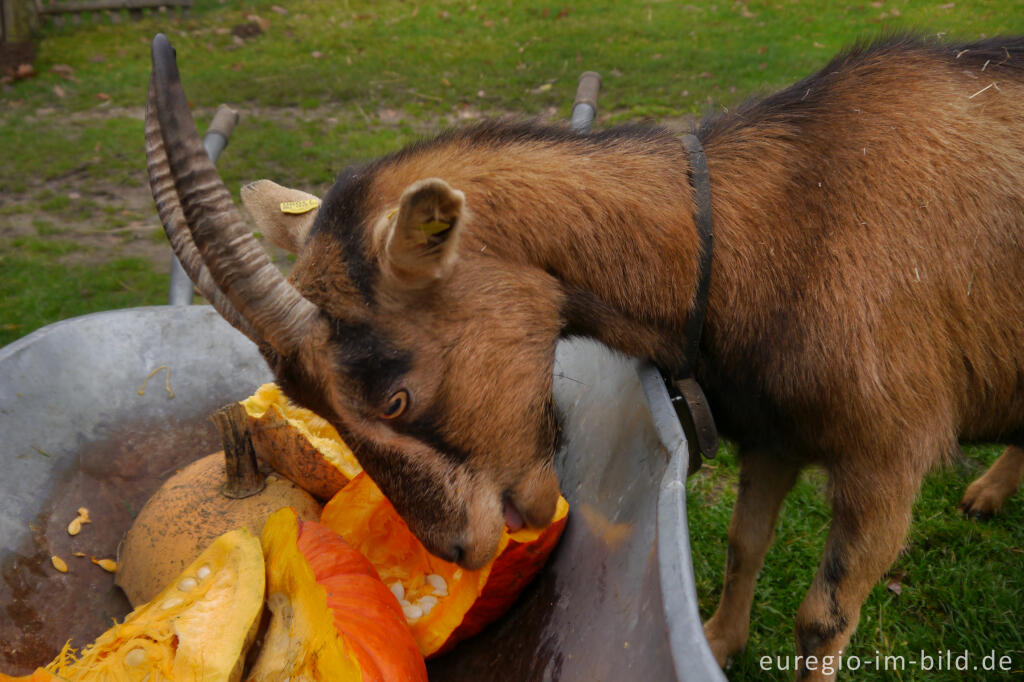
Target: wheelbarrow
97, 410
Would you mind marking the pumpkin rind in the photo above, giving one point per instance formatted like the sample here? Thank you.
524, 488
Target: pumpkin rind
333, 619
198, 628
299, 444
365, 519
185, 515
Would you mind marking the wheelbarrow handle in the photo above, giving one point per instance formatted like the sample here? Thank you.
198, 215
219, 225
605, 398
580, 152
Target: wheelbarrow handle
584, 109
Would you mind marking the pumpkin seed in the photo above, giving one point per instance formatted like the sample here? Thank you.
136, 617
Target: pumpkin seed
171, 603
188, 584
75, 527
203, 572
108, 565
412, 612
135, 657
397, 589
59, 563
427, 604
438, 583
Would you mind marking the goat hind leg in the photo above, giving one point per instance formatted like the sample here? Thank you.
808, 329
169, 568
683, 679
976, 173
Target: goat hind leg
985, 496
764, 482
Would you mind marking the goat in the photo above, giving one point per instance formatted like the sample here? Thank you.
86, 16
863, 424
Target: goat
865, 308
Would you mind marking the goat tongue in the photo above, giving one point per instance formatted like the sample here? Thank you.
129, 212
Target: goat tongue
513, 519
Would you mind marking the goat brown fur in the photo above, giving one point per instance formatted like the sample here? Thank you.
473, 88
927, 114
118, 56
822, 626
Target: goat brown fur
865, 308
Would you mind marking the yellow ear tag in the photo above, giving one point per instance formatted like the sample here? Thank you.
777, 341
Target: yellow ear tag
299, 207
434, 227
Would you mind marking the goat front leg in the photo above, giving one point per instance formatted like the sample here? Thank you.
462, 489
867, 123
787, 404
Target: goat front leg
871, 511
985, 496
764, 482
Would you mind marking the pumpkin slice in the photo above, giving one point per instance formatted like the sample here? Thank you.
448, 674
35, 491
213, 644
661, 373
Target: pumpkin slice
298, 444
332, 618
442, 602
198, 628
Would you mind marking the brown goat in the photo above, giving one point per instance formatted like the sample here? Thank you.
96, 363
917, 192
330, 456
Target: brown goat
865, 308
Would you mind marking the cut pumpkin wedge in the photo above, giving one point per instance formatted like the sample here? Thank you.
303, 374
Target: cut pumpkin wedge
442, 602
197, 629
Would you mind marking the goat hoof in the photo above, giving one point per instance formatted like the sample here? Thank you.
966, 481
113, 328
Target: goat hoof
980, 503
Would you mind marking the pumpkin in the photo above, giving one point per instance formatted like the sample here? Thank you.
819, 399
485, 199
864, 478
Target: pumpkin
299, 444
198, 628
332, 617
209, 497
443, 603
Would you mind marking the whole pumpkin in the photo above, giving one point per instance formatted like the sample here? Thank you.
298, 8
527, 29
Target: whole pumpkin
443, 603
332, 617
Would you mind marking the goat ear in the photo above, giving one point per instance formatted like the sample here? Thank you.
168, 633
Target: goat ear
283, 215
420, 237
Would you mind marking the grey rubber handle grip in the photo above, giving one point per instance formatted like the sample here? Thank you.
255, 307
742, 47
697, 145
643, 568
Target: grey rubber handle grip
224, 121
588, 89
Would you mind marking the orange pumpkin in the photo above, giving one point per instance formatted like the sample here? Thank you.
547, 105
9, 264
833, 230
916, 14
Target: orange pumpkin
332, 617
443, 603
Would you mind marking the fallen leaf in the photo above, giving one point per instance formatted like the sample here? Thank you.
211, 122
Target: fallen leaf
562, 13
62, 70
103, 96
316, 54
262, 23
97, 58
446, 83
59, 91
24, 71
895, 583
948, 5
280, 10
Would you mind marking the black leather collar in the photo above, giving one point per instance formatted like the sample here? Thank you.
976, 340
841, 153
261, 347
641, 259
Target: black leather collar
686, 394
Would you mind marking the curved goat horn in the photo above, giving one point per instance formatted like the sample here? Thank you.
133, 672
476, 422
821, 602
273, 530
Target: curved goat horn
165, 195
276, 312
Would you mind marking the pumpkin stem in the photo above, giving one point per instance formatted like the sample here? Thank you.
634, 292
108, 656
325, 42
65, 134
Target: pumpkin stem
241, 470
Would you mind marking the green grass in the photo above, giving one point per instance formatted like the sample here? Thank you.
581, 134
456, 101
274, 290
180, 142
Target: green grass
390, 71
71, 289
962, 580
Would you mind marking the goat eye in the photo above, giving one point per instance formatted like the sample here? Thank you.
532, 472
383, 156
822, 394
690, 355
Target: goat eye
396, 405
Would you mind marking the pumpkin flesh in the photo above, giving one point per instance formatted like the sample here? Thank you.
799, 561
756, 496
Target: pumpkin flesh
198, 628
332, 617
467, 600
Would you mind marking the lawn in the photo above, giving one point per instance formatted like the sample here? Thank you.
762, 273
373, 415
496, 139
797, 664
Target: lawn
322, 84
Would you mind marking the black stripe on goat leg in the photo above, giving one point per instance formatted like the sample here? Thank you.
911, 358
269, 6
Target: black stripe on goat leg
869, 526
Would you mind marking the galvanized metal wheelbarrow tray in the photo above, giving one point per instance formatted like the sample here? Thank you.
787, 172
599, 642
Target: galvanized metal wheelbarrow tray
117, 400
